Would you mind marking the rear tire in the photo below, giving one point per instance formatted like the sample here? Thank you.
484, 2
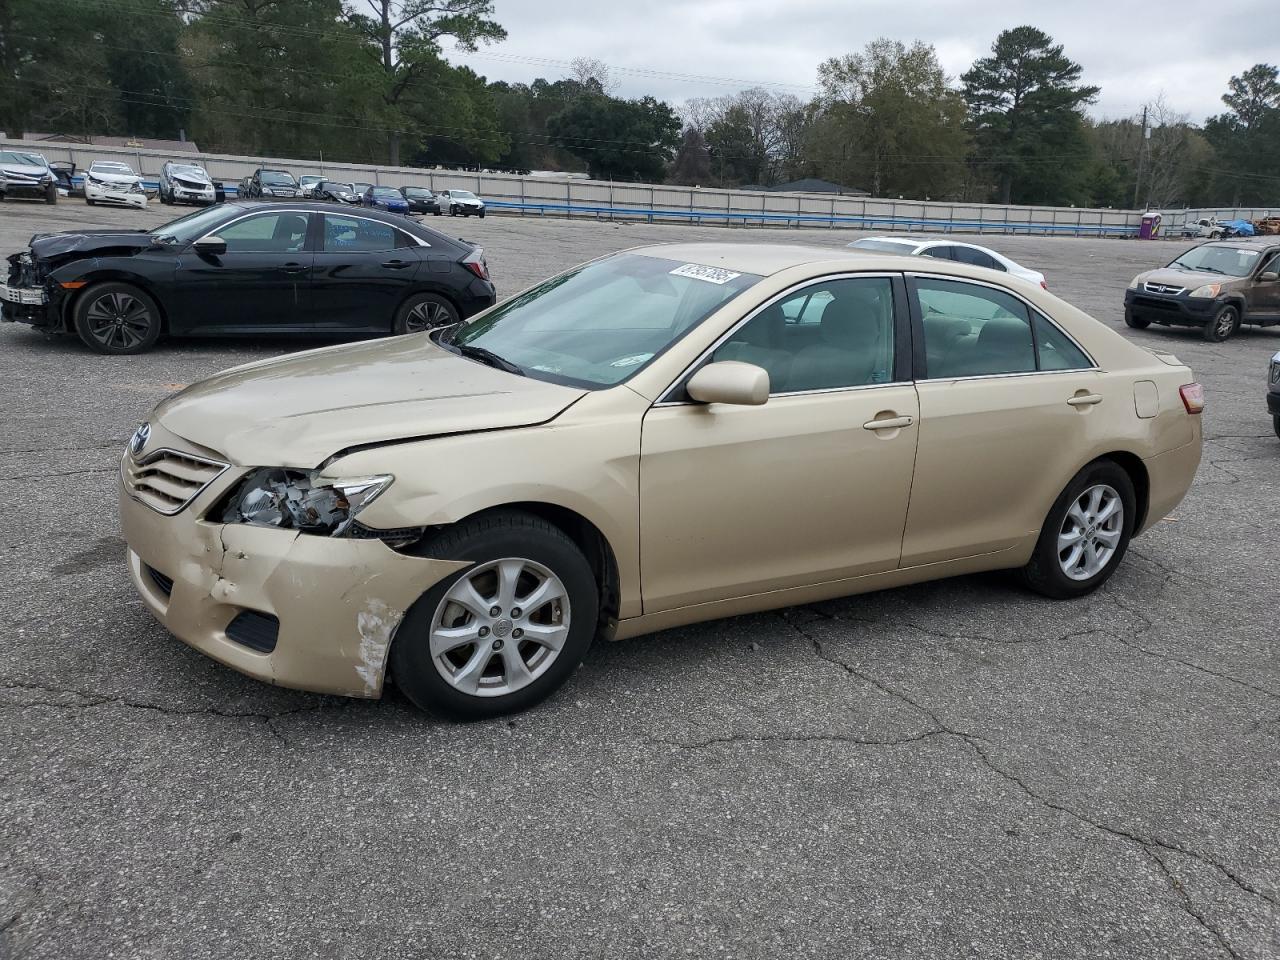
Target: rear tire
1225, 323
1136, 322
117, 319
1055, 569
424, 311
1275, 422
499, 669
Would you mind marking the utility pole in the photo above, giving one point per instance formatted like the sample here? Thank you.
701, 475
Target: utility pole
1142, 152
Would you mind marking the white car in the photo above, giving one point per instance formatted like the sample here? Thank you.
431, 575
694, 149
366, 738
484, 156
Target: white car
109, 181
969, 253
307, 184
462, 203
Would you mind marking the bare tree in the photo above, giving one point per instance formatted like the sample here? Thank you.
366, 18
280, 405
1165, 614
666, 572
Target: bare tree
593, 74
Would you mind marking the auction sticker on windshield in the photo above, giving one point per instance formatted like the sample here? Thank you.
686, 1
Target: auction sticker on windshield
710, 274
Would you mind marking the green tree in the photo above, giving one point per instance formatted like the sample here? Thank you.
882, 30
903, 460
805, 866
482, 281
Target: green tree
1026, 102
1247, 140
618, 139
887, 120
405, 39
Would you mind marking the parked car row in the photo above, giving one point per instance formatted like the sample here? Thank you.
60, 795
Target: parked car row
280, 184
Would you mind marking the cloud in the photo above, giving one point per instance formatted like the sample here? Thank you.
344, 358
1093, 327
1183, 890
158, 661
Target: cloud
676, 50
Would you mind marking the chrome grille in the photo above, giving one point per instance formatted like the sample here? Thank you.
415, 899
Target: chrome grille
1165, 288
167, 480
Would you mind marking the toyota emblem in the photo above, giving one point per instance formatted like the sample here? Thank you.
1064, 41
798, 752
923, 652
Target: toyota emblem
139, 439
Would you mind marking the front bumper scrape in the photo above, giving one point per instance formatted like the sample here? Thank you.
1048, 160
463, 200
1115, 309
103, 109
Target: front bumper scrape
338, 601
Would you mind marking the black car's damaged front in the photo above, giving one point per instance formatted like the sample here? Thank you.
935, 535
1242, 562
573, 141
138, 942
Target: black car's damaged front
42, 279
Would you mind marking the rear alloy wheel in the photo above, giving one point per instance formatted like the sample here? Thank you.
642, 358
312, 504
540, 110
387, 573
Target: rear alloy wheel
1134, 321
507, 631
117, 318
1224, 323
424, 311
1086, 534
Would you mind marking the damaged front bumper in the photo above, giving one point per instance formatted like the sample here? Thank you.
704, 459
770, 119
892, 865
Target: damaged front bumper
337, 601
110, 193
23, 299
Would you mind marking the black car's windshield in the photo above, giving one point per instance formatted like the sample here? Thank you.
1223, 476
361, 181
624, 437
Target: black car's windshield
26, 159
418, 193
195, 225
275, 178
603, 322
1232, 261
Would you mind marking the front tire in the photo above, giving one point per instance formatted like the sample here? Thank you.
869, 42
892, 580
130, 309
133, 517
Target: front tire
481, 214
117, 319
1224, 324
1085, 535
424, 311
88, 202
51, 193
1134, 321
1275, 422
455, 656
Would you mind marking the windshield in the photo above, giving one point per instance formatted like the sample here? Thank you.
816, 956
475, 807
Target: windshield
186, 170
885, 246
310, 179
275, 178
195, 225
360, 187
601, 323
388, 192
103, 167
418, 192
1232, 261
26, 159
462, 194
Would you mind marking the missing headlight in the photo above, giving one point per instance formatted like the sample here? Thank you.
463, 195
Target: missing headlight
300, 500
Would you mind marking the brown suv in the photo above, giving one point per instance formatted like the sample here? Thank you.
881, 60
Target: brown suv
1218, 286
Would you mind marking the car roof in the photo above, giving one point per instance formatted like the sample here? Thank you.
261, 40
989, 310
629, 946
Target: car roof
1263, 241
764, 259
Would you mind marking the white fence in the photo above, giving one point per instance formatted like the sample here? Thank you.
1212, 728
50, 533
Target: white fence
654, 202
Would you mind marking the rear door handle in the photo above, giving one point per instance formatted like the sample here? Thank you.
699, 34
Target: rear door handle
892, 423
397, 264
1087, 400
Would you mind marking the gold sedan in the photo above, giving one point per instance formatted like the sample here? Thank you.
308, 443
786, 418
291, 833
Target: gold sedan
662, 436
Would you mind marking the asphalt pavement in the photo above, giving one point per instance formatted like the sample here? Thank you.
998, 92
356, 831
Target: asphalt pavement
958, 769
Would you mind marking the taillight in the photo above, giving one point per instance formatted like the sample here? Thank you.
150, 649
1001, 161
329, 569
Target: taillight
1192, 397
474, 261
1043, 285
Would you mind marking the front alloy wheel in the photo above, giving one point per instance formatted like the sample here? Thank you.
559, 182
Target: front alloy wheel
1224, 323
500, 627
506, 631
117, 318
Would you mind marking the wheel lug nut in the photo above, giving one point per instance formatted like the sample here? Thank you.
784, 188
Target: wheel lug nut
515, 611
495, 611
517, 633
484, 631
497, 644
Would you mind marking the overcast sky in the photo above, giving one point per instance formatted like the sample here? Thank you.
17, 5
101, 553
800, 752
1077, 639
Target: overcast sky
677, 49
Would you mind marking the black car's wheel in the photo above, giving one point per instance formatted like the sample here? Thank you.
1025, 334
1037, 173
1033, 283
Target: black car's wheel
1275, 422
481, 214
506, 632
424, 311
438, 212
117, 318
1086, 534
1224, 323
1134, 321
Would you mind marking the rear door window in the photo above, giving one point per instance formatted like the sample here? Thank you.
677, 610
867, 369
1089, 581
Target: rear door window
975, 258
973, 331
355, 234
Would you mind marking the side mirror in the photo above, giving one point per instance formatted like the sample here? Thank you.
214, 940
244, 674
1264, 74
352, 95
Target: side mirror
212, 246
1269, 276
730, 381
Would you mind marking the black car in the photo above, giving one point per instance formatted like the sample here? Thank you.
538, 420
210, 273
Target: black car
1273, 392
421, 200
334, 191
264, 184
246, 268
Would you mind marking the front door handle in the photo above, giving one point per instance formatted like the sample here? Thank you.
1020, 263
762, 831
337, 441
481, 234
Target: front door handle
891, 423
1085, 400
397, 264
292, 268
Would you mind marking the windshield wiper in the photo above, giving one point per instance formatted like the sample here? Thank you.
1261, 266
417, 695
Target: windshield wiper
487, 356
1209, 270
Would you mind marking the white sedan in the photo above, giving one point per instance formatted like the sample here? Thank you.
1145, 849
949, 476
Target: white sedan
969, 253
109, 181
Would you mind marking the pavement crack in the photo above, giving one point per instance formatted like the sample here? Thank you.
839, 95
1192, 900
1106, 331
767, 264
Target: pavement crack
90, 700
58, 473
800, 738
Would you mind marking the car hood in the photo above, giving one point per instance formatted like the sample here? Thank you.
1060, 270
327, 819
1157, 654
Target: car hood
470, 203
192, 180
1190, 279
24, 170
116, 179
72, 246
299, 410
